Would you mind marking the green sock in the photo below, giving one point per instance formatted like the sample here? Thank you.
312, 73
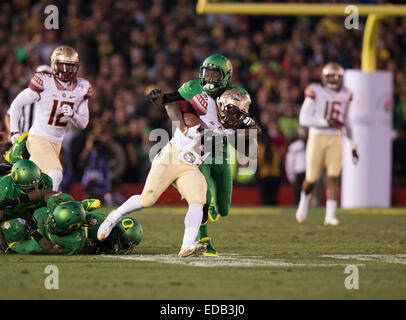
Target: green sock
203, 231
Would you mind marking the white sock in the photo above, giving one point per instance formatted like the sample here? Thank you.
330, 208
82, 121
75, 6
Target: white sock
331, 206
193, 220
303, 204
132, 204
56, 176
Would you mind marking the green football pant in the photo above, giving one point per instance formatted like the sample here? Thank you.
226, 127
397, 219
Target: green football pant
219, 186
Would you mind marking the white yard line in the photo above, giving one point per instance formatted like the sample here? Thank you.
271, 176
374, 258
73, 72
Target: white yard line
389, 258
230, 260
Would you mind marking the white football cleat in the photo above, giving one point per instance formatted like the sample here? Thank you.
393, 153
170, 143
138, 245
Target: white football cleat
194, 250
331, 222
300, 217
105, 228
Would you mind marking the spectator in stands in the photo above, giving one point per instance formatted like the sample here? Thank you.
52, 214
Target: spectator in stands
125, 46
103, 163
295, 163
269, 170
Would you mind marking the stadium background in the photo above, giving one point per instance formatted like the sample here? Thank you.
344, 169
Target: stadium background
127, 47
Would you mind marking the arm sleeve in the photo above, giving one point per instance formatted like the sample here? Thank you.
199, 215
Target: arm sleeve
307, 116
80, 119
172, 97
25, 97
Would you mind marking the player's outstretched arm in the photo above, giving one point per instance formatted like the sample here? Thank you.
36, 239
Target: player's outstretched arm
159, 99
27, 96
33, 196
46, 245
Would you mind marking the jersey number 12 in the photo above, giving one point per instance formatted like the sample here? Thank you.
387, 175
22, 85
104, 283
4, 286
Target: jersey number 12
56, 121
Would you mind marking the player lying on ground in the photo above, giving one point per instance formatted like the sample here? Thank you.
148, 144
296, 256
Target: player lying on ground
54, 229
126, 235
197, 96
62, 98
325, 112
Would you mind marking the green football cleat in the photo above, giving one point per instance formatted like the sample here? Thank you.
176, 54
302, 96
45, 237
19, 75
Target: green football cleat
213, 213
210, 250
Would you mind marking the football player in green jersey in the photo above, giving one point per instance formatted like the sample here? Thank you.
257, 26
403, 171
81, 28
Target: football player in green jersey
214, 79
24, 177
55, 229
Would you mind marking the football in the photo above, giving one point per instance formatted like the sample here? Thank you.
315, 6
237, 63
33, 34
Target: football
192, 120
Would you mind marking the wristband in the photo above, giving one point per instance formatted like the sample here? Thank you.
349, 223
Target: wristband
37, 236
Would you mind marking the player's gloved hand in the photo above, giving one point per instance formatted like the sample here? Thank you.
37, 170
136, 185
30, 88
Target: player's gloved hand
14, 136
5, 249
154, 94
355, 156
67, 111
31, 224
156, 97
32, 227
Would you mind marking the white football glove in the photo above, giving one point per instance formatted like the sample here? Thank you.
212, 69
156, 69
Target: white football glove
67, 111
15, 137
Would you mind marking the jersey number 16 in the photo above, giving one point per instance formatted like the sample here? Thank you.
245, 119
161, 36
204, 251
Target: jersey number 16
331, 112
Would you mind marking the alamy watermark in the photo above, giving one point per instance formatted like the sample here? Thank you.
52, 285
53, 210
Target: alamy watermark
52, 20
352, 19
352, 281
51, 281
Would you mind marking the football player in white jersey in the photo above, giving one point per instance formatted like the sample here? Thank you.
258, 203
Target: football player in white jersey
178, 163
325, 112
61, 97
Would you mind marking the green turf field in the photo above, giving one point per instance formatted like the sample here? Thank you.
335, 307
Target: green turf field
264, 254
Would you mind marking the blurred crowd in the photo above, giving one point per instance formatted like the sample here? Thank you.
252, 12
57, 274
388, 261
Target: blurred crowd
127, 47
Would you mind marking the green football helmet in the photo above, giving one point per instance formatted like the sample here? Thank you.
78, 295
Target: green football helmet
66, 217
130, 233
26, 175
58, 198
215, 74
